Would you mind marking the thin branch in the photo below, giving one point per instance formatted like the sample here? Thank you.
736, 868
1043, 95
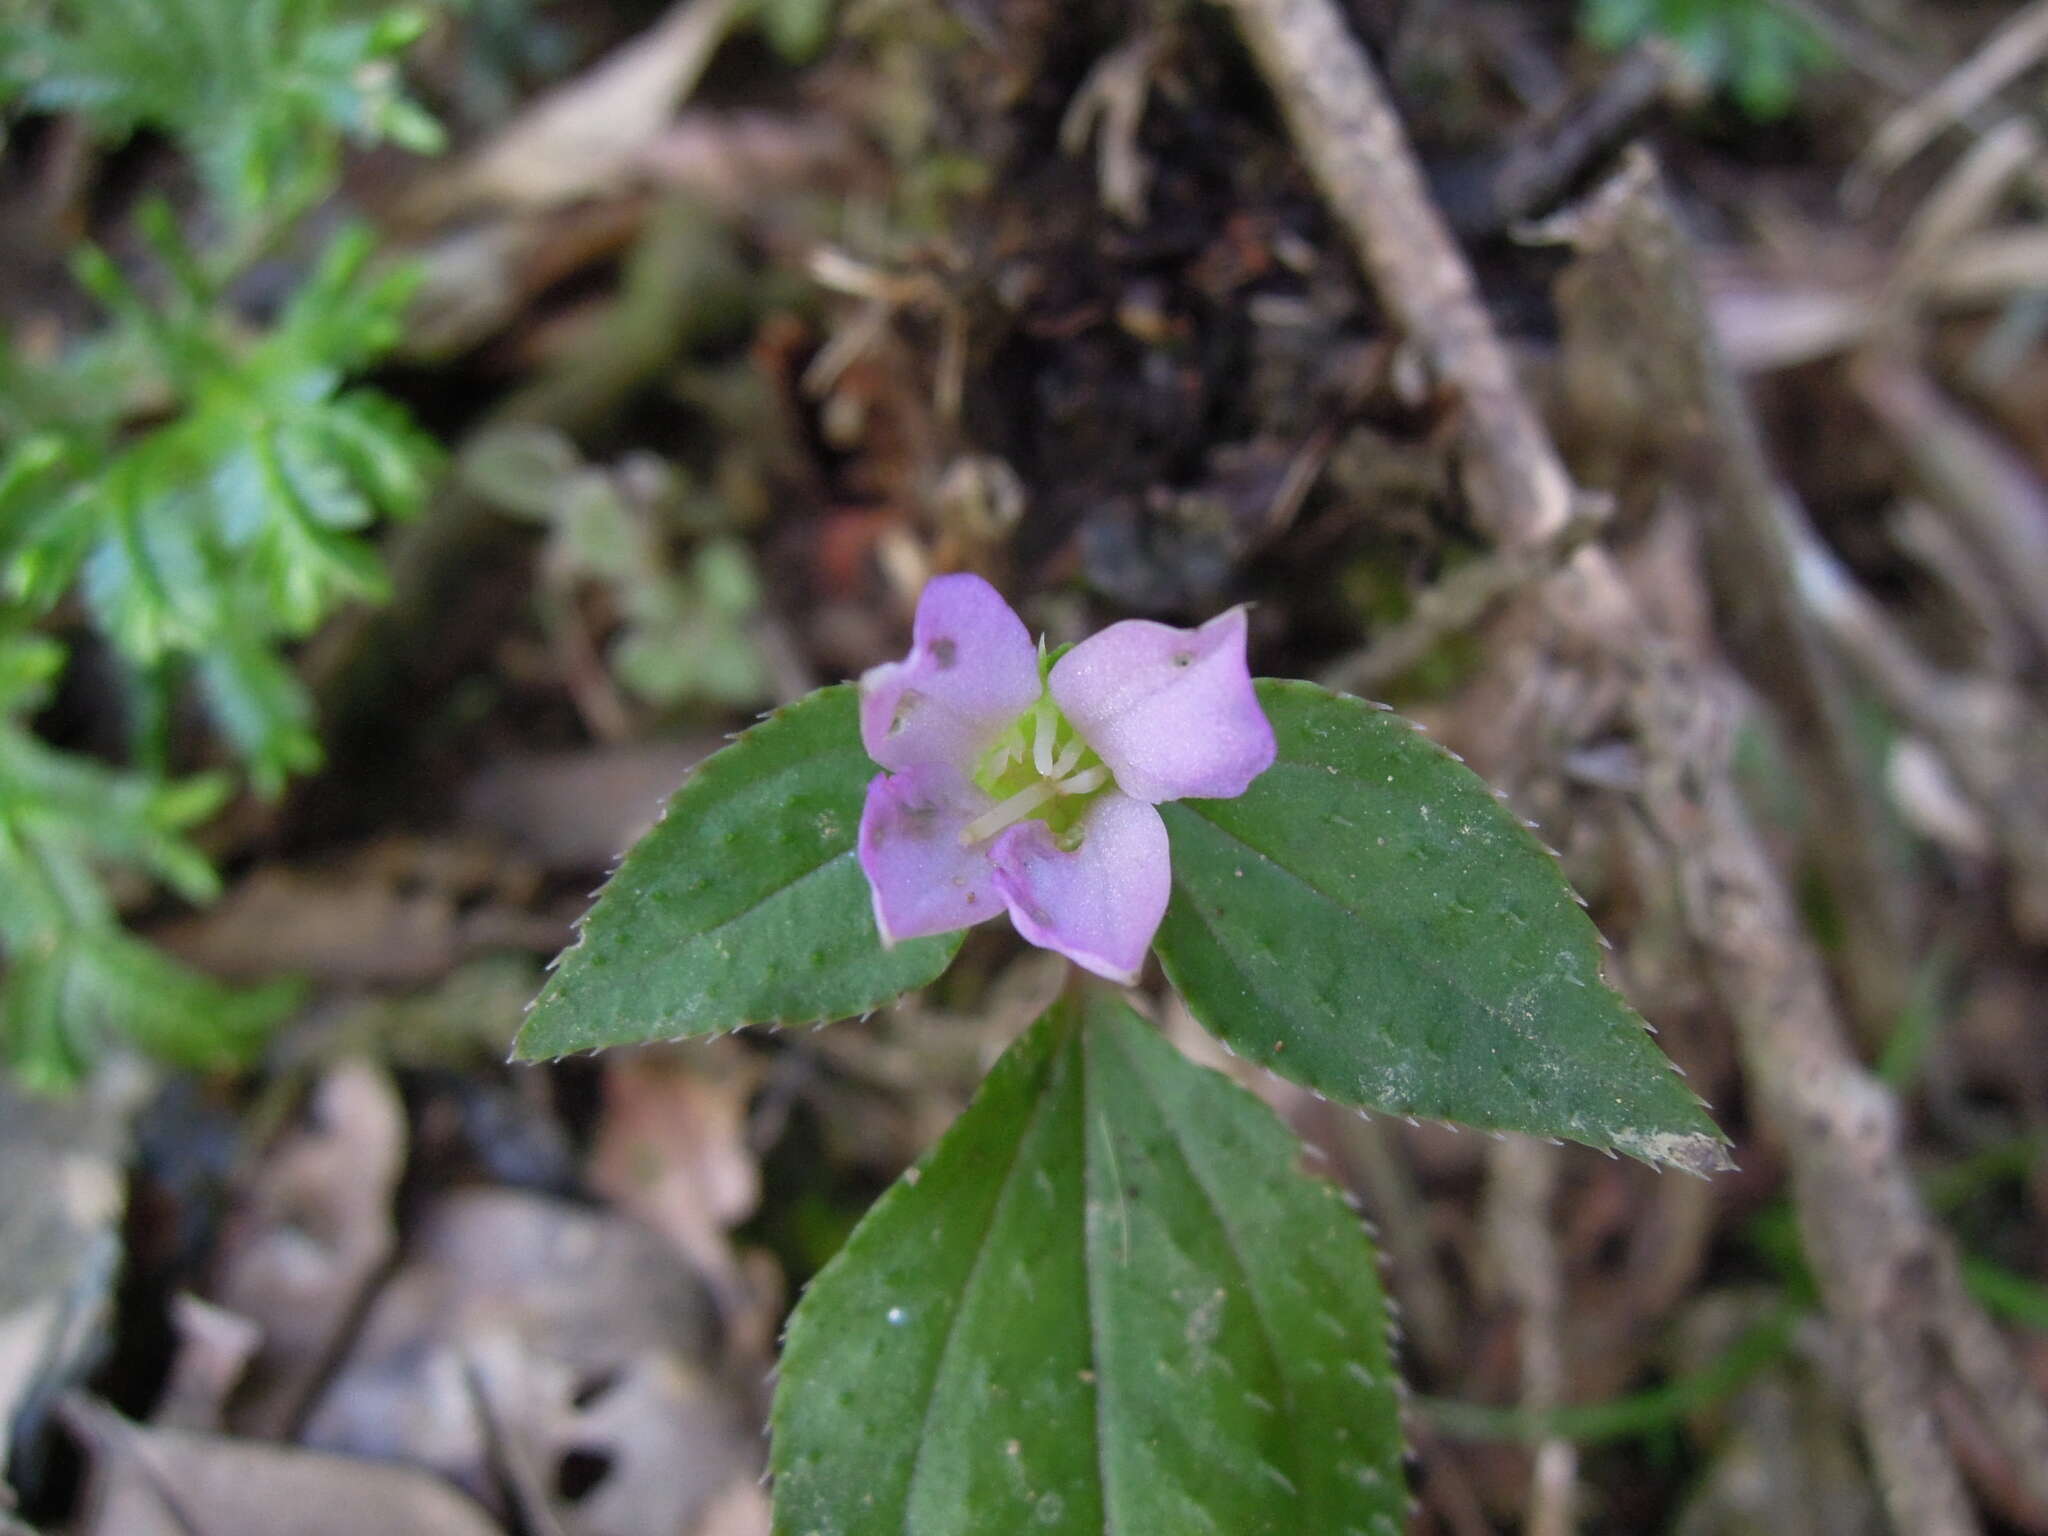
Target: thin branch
1355, 147
1989, 736
1991, 492
1958, 98
1522, 1179
1461, 600
1887, 1275
1540, 164
1635, 290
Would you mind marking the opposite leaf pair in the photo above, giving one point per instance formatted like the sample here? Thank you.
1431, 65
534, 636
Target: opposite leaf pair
1109, 1298
1364, 918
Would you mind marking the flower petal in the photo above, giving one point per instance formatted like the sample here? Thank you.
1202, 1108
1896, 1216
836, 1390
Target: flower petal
972, 669
1099, 904
923, 879
1171, 711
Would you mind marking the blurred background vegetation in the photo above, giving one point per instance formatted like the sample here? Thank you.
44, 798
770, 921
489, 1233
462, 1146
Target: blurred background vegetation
426, 429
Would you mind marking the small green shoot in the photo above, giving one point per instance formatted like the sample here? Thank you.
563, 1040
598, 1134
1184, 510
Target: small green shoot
1758, 52
261, 93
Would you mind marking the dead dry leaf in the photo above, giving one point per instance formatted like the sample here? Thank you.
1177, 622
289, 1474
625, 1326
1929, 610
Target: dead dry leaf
61, 1202
310, 1233
578, 811
582, 139
742, 1510
172, 1482
534, 1345
649, 1449
397, 912
672, 1151
213, 1353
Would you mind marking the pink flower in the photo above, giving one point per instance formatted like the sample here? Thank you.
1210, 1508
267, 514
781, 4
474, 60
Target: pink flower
1013, 785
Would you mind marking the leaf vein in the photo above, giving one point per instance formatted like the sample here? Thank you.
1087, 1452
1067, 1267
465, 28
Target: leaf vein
1423, 957
1234, 1246
1046, 1095
1096, 1310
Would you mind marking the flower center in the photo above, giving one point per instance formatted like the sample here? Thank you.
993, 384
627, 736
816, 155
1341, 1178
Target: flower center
1038, 768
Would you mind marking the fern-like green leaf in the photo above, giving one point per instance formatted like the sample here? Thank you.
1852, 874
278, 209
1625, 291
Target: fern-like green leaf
72, 977
1757, 51
240, 521
261, 95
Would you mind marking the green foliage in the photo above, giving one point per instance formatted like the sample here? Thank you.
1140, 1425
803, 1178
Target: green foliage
261, 93
1754, 49
236, 523
796, 29
1370, 921
195, 487
1108, 1300
683, 632
744, 906
1366, 919
73, 975
685, 635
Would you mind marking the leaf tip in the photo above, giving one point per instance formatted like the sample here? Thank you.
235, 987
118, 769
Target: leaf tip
1694, 1152
525, 1052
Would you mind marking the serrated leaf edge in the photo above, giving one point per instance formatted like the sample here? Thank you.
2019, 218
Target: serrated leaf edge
1696, 1153
718, 762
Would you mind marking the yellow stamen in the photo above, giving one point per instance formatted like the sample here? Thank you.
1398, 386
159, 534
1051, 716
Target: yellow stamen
1083, 783
1008, 813
1044, 726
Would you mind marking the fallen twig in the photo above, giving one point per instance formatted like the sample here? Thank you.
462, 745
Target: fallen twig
1958, 98
1989, 737
1991, 492
1887, 1275
1354, 144
1461, 600
1540, 165
1969, 196
1522, 1184
1633, 291
1767, 325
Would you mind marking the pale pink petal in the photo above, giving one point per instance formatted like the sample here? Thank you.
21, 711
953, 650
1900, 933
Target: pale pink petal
1170, 711
972, 669
1098, 904
922, 878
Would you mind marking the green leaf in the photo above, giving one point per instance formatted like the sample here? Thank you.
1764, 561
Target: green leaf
109, 816
71, 978
29, 664
1370, 921
262, 708
371, 437
175, 1013
147, 581
60, 1002
241, 519
744, 906
259, 95
1757, 49
1107, 1301
797, 29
